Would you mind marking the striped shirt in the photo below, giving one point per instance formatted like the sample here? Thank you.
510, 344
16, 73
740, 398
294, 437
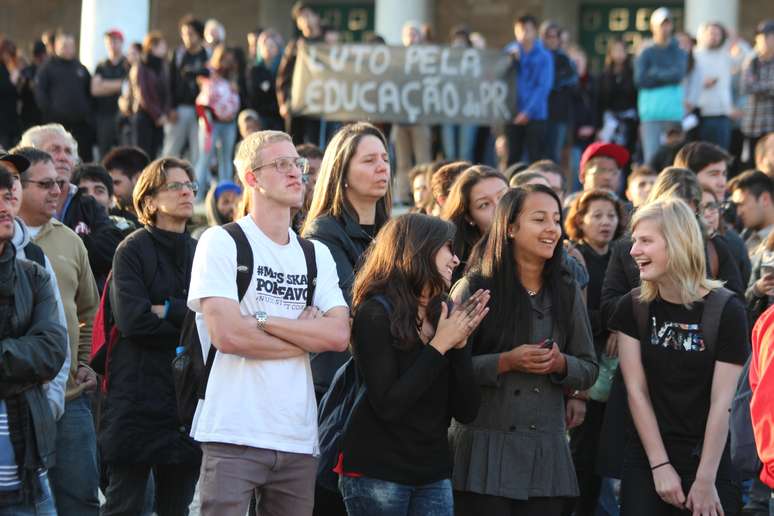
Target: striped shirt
9, 474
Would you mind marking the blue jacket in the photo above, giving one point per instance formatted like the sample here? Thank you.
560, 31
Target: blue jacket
534, 80
660, 66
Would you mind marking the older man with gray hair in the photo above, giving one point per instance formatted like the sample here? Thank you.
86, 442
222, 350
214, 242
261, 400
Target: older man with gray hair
76, 210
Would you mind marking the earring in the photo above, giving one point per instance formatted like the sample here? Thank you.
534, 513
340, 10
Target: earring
346, 185
472, 223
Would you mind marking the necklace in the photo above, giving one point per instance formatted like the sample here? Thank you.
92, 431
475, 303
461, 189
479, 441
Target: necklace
532, 293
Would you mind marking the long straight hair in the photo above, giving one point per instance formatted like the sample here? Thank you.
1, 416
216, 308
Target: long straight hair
400, 264
330, 191
493, 266
686, 265
456, 209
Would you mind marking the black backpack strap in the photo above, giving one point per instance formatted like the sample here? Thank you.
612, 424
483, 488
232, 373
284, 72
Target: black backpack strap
244, 274
311, 268
34, 253
710, 317
244, 258
641, 313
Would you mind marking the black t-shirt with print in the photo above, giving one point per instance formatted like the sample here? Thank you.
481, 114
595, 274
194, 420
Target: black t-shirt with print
677, 366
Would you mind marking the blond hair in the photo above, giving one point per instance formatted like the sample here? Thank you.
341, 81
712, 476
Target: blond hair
686, 261
248, 157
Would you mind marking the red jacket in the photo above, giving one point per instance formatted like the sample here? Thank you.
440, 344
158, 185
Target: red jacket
762, 385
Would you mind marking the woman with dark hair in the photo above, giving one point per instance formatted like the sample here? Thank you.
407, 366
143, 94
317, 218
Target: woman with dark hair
617, 99
532, 348
595, 219
141, 430
470, 206
350, 204
147, 100
410, 348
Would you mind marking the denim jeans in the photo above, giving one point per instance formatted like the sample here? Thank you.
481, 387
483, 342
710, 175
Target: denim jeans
459, 141
365, 496
556, 136
43, 506
223, 138
717, 130
182, 134
75, 477
651, 133
529, 138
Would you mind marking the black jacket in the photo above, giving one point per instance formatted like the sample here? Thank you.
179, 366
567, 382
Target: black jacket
140, 423
347, 242
90, 221
63, 91
33, 350
262, 92
622, 274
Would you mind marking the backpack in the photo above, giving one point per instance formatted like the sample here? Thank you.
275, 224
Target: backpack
337, 406
744, 455
189, 370
105, 333
617, 417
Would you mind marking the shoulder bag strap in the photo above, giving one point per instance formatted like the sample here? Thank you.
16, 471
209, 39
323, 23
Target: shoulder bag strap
311, 268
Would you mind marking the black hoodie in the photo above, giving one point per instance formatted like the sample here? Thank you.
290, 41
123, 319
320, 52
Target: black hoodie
63, 91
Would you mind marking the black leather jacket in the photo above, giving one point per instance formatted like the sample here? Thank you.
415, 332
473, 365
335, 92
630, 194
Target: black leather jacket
33, 349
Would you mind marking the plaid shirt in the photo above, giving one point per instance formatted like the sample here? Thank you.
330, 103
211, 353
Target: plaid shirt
758, 82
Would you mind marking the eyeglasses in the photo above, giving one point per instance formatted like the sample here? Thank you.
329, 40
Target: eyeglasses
48, 184
710, 206
177, 186
285, 165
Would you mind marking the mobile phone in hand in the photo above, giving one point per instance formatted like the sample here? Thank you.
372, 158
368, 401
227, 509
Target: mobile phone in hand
547, 344
767, 269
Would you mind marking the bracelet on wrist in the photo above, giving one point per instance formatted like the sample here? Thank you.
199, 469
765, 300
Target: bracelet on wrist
659, 465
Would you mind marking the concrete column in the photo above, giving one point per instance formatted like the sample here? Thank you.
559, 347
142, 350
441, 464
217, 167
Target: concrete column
99, 16
702, 11
391, 15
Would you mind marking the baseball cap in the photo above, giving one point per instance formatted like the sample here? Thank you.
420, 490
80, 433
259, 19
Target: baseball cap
765, 27
660, 15
115, 33
19, 162
608, 150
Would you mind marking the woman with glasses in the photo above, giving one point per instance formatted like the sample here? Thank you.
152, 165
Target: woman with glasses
351, 203
141, 430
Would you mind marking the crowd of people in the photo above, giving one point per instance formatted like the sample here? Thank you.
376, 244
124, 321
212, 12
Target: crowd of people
558, 327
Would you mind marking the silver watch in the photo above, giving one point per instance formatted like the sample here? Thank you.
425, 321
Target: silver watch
260, 318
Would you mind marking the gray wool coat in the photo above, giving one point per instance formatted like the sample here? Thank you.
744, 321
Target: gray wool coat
517, 447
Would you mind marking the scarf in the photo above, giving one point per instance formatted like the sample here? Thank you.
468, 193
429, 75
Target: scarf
20, 424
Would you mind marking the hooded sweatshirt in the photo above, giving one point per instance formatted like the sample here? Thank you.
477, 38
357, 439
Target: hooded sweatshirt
55, 389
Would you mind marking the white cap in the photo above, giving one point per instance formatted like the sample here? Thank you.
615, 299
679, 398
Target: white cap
660, 15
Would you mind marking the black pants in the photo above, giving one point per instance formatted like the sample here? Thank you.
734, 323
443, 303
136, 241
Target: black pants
175, 485
304, 129
584, 443
474, 504
147, 135
83, 133
638, 493
107, 132
530, 137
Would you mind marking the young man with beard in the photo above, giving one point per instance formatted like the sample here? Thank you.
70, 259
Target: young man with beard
32, 344
75, 478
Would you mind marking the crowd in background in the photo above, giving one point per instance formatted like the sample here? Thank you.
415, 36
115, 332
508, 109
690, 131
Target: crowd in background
558, 326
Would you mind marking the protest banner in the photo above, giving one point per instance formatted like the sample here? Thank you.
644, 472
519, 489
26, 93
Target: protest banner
421, 83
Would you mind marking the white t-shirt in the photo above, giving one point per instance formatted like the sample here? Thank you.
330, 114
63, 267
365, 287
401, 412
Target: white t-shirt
259, 403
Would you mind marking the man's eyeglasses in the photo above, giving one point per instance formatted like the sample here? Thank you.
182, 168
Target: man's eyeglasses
285, 165
177, 186
48, 184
